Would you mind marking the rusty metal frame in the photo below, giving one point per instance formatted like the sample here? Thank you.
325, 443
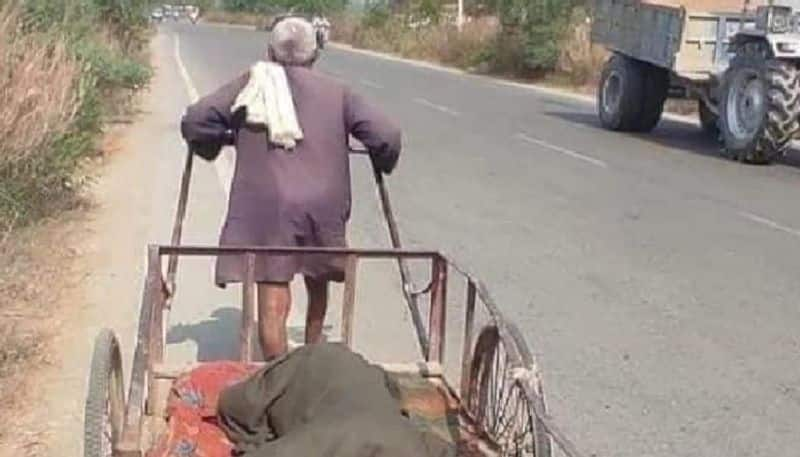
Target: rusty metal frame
248, 324
159, 291
527, 374
157, 294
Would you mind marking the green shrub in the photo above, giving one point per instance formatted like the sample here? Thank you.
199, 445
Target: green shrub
428, 10
281, 6
532, 32
99, 39
376, 16
541, 47
111, 69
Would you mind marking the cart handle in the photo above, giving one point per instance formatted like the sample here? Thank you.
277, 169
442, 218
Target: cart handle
409, 292
177, 228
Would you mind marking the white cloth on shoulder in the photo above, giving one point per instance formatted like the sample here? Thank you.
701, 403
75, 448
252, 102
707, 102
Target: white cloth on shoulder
268, 102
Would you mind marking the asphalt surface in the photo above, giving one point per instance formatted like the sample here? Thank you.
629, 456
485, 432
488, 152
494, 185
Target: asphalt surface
656, 282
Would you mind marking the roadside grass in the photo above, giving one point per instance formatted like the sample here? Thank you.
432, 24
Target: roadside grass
478, 47
259, 21
39, 101
67, 68
441, 43
60, 81
580, 61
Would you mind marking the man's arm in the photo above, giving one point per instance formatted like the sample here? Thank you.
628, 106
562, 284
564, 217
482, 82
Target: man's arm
375, 130
208, 124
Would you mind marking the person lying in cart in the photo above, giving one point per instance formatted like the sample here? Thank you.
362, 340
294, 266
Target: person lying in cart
291, 185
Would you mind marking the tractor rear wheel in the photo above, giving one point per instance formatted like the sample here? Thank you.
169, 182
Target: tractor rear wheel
760, 105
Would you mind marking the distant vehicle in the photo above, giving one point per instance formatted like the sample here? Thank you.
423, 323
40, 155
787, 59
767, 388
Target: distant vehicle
322, 28
193, 13
157, 15
743, 68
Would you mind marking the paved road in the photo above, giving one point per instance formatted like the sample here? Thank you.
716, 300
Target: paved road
657, 283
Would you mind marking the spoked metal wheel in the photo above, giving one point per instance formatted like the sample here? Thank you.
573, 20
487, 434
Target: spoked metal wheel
499, 404
105, 400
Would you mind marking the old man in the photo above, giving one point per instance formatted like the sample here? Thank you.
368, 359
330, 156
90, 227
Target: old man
291, 186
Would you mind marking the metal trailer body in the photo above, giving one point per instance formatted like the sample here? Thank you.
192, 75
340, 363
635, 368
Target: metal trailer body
693, 52
692, 44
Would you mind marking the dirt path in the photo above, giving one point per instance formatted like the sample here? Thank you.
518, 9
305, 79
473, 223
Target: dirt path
99, 261
98, 282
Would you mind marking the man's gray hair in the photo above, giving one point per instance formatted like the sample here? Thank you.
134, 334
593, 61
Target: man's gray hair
293, 42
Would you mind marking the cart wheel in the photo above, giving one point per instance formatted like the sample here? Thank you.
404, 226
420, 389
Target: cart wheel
105, 400
498, 403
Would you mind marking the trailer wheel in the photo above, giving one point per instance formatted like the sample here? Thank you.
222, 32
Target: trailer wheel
656, 87
620, 93
631, 94
760, 106
499, 404
105, 400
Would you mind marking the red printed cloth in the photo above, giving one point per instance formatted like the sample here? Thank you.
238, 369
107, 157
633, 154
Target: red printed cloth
192, 429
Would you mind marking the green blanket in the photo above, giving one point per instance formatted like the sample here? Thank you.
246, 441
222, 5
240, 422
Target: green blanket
322, 401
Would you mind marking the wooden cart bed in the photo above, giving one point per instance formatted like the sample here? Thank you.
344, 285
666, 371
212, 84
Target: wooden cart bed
183, 421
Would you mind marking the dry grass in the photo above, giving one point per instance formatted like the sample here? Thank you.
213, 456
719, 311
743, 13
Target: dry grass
38, 99
345, 27
38, 103
580, 61
440, 43
578, 65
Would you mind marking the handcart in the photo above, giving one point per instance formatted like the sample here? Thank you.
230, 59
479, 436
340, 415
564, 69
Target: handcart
493, 400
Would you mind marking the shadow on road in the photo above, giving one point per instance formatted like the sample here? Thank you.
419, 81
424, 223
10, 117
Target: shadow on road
297, 334
216, 338
671, 134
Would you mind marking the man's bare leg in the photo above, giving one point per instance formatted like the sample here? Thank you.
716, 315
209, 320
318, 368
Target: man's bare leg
317, 307
274, 301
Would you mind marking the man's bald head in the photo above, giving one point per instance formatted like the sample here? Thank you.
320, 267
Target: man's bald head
293, 42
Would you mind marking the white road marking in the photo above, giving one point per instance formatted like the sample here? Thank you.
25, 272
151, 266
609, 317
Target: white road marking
187, 80
769, 223
567, 152
441, 108
224, 165
371, 84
